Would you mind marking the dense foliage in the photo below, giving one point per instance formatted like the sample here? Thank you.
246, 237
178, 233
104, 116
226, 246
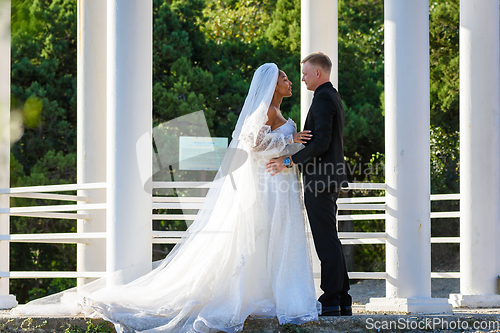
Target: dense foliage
44, 90
204, 55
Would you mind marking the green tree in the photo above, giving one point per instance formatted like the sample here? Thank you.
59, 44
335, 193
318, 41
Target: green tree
361, 73
44, 69
284, 29
444, 61
231, 20
43, 88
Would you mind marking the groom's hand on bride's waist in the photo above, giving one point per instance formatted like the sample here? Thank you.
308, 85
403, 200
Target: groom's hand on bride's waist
276, 165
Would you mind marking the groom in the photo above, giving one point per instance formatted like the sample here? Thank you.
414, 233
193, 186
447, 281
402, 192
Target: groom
322, 165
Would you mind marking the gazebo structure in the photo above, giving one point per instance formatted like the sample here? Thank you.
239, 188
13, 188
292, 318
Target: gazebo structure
115, 112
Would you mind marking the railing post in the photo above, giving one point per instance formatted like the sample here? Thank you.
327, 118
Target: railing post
91, 128
129, 118
479, 154
6, 301
319, 33
407, 167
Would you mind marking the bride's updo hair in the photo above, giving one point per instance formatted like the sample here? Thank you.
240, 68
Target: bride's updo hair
319, 59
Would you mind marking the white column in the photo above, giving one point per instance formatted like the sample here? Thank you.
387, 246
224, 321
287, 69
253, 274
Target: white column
6, 301
479, 153
91, 128
319, 33
407, 148
129, 117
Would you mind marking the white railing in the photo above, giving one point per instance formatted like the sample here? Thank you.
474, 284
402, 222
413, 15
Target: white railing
347, 238
73, 211
68, 211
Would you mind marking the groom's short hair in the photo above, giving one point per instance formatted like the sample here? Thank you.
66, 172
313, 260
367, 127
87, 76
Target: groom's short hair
319, 59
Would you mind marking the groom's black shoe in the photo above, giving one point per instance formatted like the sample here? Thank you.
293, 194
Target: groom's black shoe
335, 311
345, 310
331, 311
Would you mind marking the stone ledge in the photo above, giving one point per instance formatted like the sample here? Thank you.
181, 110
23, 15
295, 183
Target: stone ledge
462, 320
45, 324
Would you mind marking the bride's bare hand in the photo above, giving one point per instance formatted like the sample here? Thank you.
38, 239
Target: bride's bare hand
302, 137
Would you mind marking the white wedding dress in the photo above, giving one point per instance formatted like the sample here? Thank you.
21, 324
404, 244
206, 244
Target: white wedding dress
246, 254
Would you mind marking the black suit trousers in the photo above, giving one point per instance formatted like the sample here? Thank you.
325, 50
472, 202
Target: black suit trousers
321, 210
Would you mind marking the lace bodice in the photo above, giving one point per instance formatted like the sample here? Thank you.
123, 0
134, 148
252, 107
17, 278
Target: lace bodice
288, 128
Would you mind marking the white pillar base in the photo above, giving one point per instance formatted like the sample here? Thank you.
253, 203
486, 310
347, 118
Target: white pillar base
409, 305
474, 301
8, 302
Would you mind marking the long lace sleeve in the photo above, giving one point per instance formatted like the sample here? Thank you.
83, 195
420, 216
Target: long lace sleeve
268, 144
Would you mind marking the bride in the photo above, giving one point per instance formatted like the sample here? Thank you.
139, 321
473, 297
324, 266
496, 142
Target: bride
245, 254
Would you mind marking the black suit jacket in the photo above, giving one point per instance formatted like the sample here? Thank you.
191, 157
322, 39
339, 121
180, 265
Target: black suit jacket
322, 160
